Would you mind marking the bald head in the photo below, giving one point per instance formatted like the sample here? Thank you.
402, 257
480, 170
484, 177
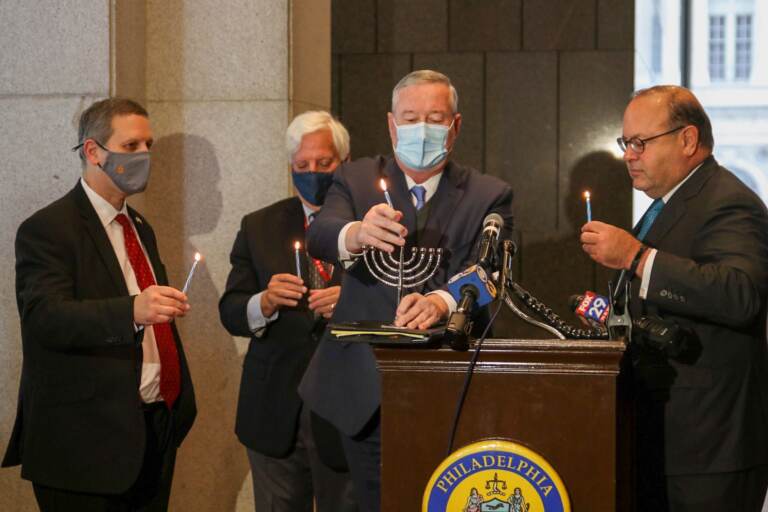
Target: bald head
683, 109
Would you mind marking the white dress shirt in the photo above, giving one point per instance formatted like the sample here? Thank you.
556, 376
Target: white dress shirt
149, 388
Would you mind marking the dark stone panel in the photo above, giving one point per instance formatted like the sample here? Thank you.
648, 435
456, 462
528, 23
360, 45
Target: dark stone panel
412, 26
594, 90
480, 25
353, 26
521, 133
366, 93
559, 24
615, 24
466, 73
336, 85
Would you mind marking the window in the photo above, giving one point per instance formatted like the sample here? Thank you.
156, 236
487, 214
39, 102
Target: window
717, 48
743, 65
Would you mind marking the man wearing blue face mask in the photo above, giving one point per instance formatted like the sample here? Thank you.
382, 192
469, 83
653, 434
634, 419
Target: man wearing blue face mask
435, 203
106, 397
295, 456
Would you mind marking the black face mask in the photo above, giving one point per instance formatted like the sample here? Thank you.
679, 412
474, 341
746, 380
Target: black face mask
312, 185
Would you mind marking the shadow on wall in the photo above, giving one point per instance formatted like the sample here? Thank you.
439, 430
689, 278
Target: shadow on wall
554, 266
186, 201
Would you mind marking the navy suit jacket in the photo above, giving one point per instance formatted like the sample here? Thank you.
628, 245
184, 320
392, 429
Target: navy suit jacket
342, 381
269, 404
708, 411
80, 424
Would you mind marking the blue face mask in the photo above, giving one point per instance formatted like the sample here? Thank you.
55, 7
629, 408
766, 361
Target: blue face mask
312, 185
421, 146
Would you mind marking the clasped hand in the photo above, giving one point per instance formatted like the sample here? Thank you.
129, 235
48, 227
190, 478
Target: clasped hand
159, 304
608, 245
288, 289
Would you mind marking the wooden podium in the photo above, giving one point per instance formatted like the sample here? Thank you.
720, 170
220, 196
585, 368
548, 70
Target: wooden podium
562, 399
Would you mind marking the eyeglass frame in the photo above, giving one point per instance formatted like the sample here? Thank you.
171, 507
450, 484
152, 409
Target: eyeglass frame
625, 144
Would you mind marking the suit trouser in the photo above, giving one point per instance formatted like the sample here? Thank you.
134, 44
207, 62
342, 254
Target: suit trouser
150, 492
363, 453
288, 484
740, 490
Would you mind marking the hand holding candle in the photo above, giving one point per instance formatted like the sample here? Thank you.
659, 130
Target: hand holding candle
198, 257
587, 198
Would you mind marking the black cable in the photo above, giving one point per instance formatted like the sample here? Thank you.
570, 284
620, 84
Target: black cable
468, 377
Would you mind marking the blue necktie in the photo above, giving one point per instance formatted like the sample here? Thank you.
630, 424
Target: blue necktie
420, 193
649, 218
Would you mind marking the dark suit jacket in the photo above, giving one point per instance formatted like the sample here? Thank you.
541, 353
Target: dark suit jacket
269, 404
711, 276
80, 424
342, 381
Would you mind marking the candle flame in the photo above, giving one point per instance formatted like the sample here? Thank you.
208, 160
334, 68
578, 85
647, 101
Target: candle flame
297, 245
587, 195
198, 256
383, 184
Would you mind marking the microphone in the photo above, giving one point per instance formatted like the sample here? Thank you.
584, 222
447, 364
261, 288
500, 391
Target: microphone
591, 306
655, 332
468, 288
472, 285
489, 239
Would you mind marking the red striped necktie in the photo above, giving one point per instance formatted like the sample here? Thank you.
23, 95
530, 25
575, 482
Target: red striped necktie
170, 375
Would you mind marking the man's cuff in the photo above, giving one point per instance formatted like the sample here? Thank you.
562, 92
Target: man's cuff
345, 257
647, 273
448, 299
256, 320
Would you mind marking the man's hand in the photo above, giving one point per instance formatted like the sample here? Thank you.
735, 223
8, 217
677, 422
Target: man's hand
159, 304
324, 300
282, 290
417, 311
608, 245
379, 228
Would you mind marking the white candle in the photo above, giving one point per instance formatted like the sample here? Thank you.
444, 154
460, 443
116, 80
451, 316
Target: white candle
296, 247
198, 257
383, 185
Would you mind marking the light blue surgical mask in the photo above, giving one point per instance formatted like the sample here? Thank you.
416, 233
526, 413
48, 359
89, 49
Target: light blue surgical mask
421, 146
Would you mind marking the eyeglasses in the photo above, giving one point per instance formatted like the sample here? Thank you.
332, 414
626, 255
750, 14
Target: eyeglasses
637, 144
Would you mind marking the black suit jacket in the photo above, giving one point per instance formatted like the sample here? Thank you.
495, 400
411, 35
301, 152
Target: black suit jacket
269, 404
80, 424
342, 382
710, 275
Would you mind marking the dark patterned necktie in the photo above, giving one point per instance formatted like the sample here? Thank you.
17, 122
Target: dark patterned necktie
170, 374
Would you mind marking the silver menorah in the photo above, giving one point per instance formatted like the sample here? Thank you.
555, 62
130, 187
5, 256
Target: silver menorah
401, 273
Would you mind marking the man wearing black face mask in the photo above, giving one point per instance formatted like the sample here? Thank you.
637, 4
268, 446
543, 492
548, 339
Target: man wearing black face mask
294, 455
106, 396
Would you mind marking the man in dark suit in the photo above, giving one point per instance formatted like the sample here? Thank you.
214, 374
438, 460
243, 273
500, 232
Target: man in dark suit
106, 396
294, 454
699, 258
435, 203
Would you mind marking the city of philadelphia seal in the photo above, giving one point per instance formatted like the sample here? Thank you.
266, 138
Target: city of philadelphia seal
495, 476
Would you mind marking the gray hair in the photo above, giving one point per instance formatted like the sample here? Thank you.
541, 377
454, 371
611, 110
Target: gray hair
426, 76
312, 121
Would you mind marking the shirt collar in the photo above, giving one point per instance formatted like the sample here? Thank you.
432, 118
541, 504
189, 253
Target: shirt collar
669, 194
308, 212
430, 185
104, 209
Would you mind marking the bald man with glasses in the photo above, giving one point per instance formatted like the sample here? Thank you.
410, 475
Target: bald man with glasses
699, 258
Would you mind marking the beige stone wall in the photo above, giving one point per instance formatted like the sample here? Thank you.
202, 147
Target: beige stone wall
221, 81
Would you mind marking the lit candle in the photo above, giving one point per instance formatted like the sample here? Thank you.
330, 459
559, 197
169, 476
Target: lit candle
383, 185
587, 198
198, 257
296, 248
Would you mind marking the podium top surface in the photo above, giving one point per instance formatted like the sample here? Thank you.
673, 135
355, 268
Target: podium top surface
510, 355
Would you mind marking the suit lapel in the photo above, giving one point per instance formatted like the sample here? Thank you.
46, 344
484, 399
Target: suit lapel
442, 205
148, 241
676, 208
401, 196
101, 242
